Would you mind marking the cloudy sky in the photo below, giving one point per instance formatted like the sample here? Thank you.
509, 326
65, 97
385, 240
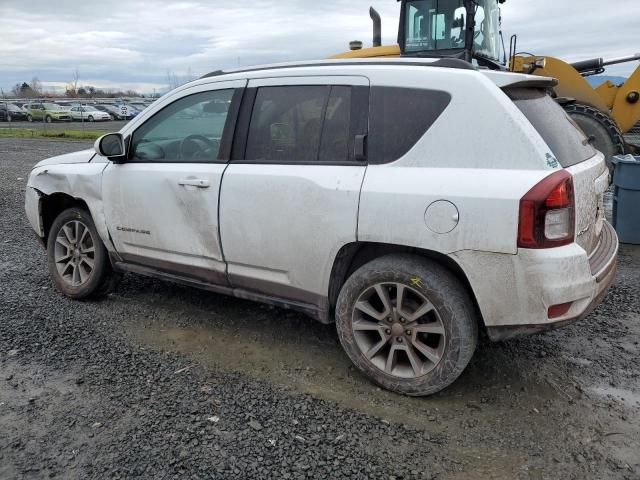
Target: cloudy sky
134, 43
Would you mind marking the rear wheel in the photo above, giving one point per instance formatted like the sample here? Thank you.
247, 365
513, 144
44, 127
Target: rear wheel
78, 261
90, 118
606, 135
407, 323
9, 118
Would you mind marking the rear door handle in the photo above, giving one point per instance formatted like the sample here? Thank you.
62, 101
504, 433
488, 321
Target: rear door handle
195, 182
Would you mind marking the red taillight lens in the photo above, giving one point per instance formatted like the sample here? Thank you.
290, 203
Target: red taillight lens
561, 195
547, 217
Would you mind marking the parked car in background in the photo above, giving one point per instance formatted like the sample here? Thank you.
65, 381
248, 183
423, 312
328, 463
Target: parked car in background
104, 108
89, 113
131, 111
139, 106
49, 112
117, 112
354, 192
10, 112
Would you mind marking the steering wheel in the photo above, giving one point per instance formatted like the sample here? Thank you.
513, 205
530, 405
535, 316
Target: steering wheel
201, 143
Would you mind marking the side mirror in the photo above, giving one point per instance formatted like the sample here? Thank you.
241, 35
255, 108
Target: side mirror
111, 146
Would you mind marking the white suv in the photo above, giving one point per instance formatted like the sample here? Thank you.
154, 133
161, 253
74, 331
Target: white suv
411, 201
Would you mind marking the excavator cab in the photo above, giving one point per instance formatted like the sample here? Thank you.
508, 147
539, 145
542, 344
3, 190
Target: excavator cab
466, 29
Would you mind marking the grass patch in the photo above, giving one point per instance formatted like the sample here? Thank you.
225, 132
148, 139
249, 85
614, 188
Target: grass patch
51, 134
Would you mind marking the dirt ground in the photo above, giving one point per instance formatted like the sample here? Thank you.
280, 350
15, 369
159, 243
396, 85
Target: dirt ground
164, 381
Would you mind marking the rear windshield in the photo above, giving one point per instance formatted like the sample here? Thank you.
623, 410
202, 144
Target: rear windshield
564, 137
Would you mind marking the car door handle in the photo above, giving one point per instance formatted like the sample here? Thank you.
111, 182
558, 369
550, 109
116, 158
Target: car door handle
195, 182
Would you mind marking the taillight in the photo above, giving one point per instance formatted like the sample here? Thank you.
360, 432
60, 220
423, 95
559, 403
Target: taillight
547, 214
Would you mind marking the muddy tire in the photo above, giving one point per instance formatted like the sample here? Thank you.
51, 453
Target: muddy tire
407, 323
601, 127
78, 260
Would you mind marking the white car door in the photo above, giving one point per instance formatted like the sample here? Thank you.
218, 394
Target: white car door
289, 198
161, 204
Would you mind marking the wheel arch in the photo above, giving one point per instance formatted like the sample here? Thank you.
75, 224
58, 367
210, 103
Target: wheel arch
51, 205
354, 255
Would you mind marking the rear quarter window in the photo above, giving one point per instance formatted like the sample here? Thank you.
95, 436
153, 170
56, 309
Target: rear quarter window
564, 137
399, 117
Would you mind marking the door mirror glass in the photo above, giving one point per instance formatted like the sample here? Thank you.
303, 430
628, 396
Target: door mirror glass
110, 145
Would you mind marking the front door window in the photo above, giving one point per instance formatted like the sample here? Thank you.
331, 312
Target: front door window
189, 130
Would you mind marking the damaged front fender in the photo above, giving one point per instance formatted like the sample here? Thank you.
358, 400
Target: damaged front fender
80, 181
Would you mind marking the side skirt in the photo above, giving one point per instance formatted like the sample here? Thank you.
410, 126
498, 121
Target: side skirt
311, 310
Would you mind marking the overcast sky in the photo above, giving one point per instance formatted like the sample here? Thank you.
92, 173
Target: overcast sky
133, 43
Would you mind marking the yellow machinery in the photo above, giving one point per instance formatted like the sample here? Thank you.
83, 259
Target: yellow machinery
470, 30
606, 112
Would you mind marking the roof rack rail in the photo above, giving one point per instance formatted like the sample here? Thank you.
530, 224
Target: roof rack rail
440, 62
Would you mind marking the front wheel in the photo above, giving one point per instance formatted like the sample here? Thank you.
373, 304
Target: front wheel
29, 118
90, 118
407, 323
9, 118
78, 260
48, 119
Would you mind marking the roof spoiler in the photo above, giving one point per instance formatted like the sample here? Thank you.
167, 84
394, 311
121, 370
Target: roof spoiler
542, 82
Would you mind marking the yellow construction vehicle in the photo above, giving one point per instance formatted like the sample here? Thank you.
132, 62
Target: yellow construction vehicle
606, 112
471, 30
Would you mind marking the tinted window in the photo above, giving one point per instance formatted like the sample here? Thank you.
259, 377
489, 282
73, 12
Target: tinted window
302, 124
189, 130
286, 123
565, 139
399, 118
335, 132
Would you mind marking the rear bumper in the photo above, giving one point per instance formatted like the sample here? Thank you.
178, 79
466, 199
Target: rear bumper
514, 292
602, 270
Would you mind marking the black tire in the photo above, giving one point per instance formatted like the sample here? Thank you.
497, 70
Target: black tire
112, 116
452, 303
606, 135
90, 118
29, 118
48, 119
101, 279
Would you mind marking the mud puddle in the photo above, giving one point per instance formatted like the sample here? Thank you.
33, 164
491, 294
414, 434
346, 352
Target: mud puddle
297, 353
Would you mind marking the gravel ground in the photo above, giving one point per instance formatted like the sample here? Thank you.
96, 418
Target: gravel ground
162, 381
112, 126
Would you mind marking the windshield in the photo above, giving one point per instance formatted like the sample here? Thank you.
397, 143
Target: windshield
432, 25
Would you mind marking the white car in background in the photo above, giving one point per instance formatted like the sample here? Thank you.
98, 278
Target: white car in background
411, 201
89, 114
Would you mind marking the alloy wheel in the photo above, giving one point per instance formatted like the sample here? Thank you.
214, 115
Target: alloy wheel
74, 253
398, 330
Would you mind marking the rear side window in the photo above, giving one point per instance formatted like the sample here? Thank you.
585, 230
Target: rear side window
399, 117
566, 140
301, 123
